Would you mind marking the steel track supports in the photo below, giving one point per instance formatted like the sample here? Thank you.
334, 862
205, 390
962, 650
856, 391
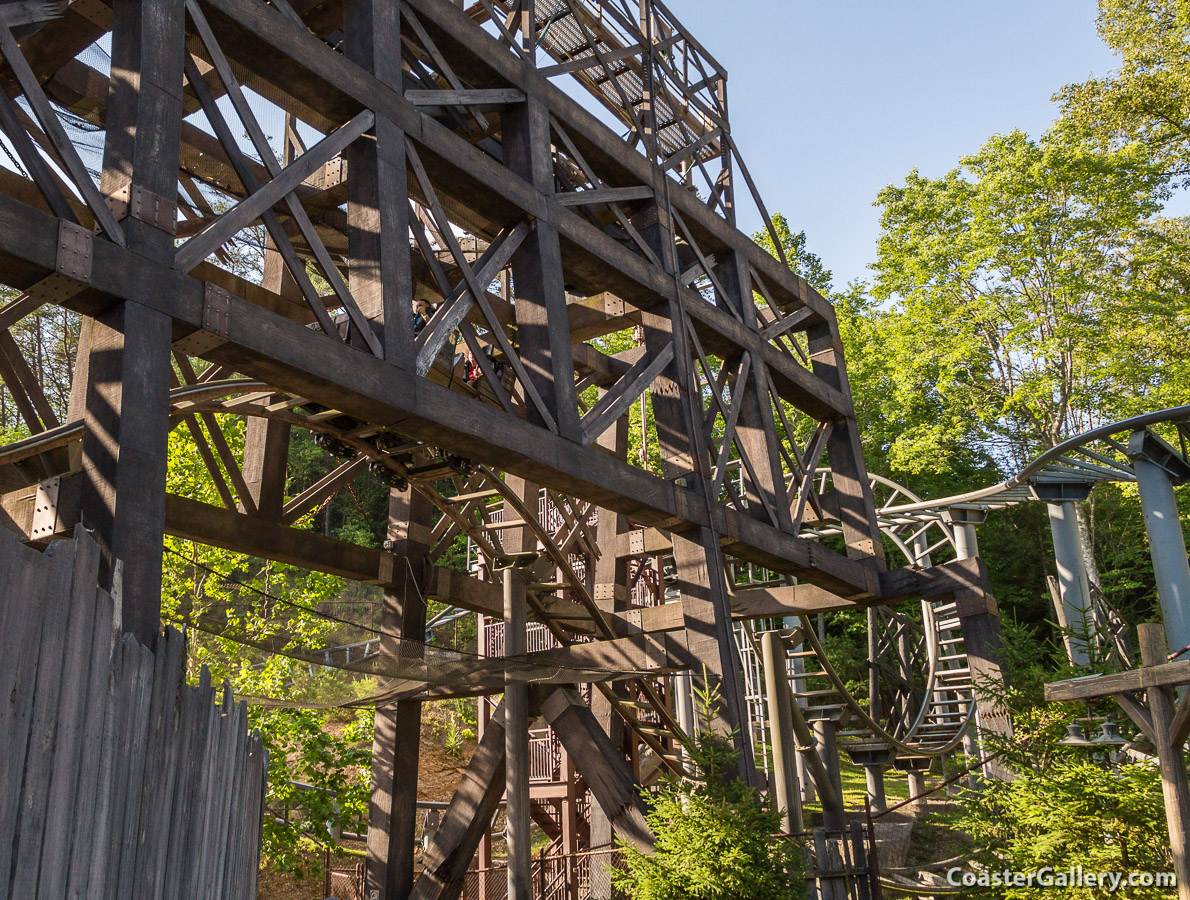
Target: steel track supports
1158, 468
1072, 606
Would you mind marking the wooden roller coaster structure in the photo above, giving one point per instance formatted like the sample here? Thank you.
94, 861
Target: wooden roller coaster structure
557, 180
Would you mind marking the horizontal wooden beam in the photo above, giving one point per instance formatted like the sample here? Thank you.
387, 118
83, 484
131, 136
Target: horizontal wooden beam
274, 349
205, 524
1092, 686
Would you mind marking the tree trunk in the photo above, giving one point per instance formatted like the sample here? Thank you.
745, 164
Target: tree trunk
1084, 515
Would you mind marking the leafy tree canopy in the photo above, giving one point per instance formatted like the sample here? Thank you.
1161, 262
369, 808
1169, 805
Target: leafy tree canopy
1030, 291
1148, 99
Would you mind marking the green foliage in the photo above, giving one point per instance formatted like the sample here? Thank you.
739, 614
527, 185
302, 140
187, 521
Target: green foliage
319, 773
801, 260
1074, 814
1148, 99
714, 834
1022, 286
1065, 809
319, 762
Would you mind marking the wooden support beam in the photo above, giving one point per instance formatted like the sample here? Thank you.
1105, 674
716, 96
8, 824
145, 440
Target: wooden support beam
542, 324
601, 765
204, 524
266, 459
128, 355
611, 596
516, 742
379, 263
1172, 757
393, 808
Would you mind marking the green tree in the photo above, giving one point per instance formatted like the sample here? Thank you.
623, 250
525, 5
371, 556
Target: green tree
319, 761
801, 260
1021, 281
714, 834
1147, 100
1063, 809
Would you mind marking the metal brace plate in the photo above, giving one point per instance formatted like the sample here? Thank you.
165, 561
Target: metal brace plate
135, 202
666, 387
94, 11
613, 306
72, 265
45, 509
636, 543
75, 245
216, 310
216, 321
334, 173
633, 621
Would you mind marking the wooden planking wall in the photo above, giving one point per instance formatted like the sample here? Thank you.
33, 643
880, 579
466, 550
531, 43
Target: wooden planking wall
117, 779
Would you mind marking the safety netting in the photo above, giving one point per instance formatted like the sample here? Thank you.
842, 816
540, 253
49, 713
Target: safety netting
303, 656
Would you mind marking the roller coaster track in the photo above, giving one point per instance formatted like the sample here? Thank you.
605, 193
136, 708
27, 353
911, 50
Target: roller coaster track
930, 696
481, 505
1094, 457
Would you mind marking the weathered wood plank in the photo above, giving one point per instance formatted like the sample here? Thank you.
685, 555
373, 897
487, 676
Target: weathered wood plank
602, 766
21, 609
90, 762
75, 646
39, 754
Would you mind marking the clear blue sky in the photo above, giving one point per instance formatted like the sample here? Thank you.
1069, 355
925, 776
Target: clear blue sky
830, 101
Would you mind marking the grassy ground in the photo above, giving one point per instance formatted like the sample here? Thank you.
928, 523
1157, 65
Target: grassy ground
855, 786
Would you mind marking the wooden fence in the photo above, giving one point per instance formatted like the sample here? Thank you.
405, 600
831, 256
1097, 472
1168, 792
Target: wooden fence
117, 780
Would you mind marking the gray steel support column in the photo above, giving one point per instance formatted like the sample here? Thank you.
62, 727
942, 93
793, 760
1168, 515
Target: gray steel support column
684, 705
966, 544
1073, 587
516, 743
917, 782
874, 774
1154, 462
786, 789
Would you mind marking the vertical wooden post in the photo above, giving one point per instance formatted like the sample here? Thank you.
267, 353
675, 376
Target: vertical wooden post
1171, 757
392, 812
266, 459
516, 743
776, 681
266, 441
124, 453
857, 508
379, 263
611, 594
543, 329
757, 429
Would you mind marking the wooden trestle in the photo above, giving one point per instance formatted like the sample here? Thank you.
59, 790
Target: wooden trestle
435, 151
